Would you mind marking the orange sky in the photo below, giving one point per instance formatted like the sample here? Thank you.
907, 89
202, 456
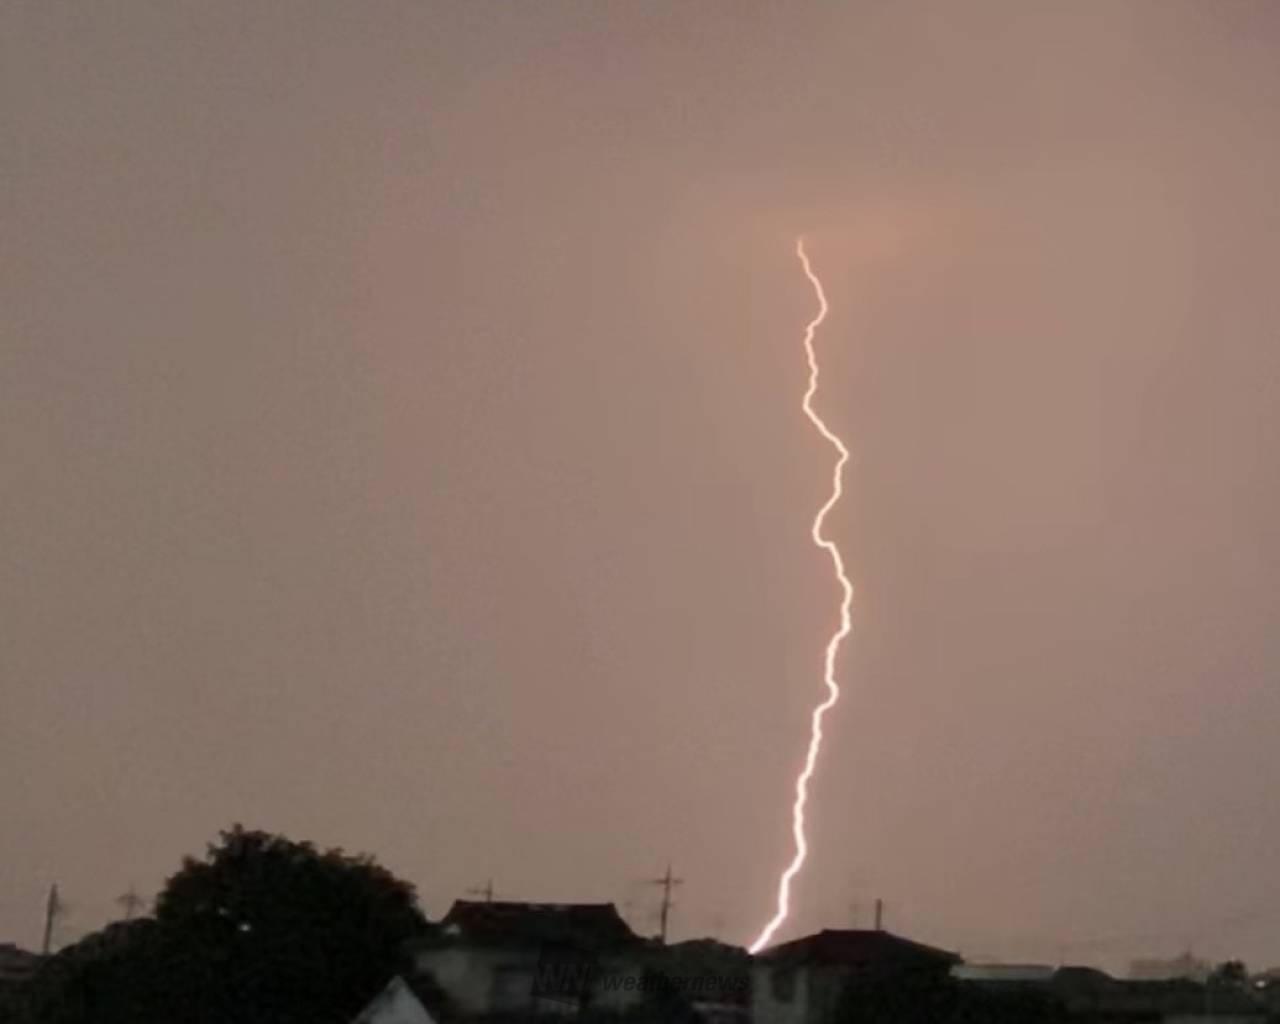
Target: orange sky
400, 448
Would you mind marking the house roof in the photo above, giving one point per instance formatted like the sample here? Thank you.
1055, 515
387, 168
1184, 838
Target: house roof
857, 948
503, 923
408, 999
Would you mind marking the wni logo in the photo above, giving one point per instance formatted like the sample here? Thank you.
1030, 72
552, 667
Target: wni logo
565, 975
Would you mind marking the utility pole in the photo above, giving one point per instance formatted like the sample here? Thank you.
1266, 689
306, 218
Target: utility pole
131, 902
486, 891
668, 883
879, 914
52, 908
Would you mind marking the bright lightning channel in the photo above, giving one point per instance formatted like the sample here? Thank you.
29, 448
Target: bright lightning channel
846, 601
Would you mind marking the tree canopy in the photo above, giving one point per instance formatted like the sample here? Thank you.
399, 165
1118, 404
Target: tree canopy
261, 929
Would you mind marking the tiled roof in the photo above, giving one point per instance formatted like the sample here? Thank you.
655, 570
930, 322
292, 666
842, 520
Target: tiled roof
582, 925
394, 1002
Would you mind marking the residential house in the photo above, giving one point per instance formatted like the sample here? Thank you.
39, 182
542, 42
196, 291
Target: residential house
712, 978
802, 982
546, 958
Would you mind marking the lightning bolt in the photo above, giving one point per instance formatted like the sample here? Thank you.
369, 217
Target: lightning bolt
846, 624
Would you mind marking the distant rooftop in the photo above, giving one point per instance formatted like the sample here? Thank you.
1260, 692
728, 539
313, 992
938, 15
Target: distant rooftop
1011, 973
1089, 990
17, 964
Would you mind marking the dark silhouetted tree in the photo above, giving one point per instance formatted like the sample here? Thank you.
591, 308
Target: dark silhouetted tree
109, 977
262, 930
267, 929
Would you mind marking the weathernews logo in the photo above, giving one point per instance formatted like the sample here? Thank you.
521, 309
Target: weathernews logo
565, 975
574, 977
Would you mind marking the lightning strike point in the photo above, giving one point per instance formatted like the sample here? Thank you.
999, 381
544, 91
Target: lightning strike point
846, 602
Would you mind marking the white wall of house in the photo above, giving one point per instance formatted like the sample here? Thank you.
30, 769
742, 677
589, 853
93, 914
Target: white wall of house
779, 996
810, 997
469, 975
484, 980
618, 984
